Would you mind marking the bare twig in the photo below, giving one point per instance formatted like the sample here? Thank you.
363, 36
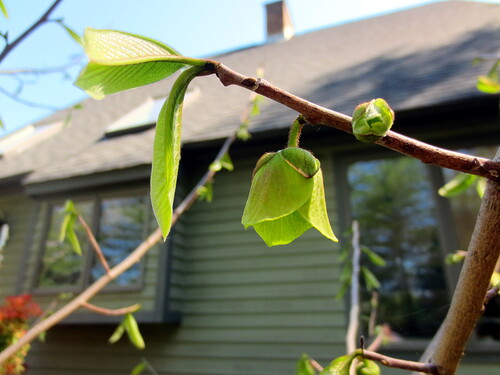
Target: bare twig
94, 243
316, 114
29, 103
111, 312
315, 365
493, 292
353, 328
43, 19
427, 368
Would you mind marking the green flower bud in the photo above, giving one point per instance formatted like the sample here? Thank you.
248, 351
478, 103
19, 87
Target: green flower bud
287, 197
372, 120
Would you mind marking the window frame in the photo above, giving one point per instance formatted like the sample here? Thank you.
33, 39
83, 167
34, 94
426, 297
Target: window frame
90, 256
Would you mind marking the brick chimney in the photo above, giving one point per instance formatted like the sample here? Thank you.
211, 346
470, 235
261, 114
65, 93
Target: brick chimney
279, 23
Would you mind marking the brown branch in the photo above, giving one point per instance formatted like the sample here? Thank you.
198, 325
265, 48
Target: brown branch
94, 243
468, 298
111, 312
352, 329
427, 368
493, 292
44, 18
315, 365
316, 114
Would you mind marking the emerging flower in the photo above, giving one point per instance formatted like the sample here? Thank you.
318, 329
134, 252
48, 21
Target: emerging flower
372, 120
287, 197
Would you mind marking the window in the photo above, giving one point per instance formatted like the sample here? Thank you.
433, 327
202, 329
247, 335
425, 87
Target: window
120, 223
393, 201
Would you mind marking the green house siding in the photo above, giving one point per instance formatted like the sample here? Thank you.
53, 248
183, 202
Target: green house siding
17, 211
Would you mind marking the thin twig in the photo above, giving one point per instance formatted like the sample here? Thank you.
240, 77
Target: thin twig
111, 312
428, 368
316, 115
44, 18
353, 328
493, 292
29, 103
95, 244
316, 365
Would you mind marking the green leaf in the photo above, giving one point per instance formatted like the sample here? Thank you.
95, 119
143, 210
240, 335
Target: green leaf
370, 279
487, 85
304, 366
120, 61
3, 8
2, 124
133, 332
339, 366
205, 193
287, 198
139, 368
481, 186
367, 367
495, 280
166, 151
224, 162
376, 259
76, 37
117, 334
454, 258
256, 105
68, 227
457, 185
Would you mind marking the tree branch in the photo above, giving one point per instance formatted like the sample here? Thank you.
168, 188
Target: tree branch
314, 114
26, 102
44, 18
94, 243
472, 287
352, 329
427, 368
111, 312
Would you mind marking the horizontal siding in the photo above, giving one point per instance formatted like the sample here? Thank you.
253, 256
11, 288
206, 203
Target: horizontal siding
17, 210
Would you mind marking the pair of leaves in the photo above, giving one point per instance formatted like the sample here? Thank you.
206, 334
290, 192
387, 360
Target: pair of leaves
460, 183
129, 325
120, 61
68, 227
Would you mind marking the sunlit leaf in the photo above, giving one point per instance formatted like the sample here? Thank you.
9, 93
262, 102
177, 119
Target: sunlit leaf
68, 227
3, 8
457, 257
495, 279
487, 85
256, 103
339, 366
370, 279
376, 259
166, 151
372, 120
457, 185
224, 162
138, 369
133, 332
205, 193
119, 61
304, 366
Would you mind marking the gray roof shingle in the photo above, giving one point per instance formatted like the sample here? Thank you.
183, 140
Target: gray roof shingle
414, 58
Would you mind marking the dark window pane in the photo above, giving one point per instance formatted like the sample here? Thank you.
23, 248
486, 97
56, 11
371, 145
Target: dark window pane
61, 266
392, 200
120, 232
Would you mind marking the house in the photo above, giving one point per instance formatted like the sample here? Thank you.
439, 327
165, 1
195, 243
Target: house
216, 300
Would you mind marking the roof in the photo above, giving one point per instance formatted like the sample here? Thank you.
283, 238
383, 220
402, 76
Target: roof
414, 59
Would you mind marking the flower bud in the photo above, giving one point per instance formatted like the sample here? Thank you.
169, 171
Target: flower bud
372, 120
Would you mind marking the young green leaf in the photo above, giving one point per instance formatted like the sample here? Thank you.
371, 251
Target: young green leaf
205, 193
166, 151
370, 279
376, 259
133, 332
340, 365
489, 83
3, 8
457, 185
76, 37
304, 366
372, 120
139, 368
68, 227
481, 186
224, 162
120, 61
117, 334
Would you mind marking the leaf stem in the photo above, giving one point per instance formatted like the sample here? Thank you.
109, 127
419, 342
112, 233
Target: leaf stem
295, 131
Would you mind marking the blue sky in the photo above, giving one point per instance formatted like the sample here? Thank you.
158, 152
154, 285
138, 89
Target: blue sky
196, 28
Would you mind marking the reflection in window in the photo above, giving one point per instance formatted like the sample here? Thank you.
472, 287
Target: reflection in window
120, 232
392, 200
61, 266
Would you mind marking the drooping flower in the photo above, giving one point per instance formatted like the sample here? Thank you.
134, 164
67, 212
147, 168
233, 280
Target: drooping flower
287, 197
